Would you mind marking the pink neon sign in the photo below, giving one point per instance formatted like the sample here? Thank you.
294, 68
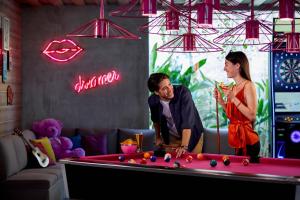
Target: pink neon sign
96, 81
62, 51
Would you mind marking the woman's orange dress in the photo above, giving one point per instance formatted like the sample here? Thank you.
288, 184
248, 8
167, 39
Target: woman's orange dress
240, 129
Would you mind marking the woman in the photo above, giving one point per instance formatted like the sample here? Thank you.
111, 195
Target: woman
240, 106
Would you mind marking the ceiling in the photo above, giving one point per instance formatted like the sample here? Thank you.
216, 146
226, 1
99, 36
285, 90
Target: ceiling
94, 2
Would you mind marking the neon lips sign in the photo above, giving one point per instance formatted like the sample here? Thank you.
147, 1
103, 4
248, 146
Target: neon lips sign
96, 81
62, 51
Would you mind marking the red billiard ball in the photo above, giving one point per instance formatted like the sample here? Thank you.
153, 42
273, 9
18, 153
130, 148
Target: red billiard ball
200, 156
143, 161
245, 161
189, 159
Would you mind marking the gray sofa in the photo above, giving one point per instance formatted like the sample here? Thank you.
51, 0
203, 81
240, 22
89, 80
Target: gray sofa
19, 182
210, 142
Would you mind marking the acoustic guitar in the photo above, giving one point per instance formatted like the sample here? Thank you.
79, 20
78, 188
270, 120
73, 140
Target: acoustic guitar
42, 158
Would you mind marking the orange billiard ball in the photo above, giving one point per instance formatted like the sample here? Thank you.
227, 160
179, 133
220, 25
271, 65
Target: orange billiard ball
147, 155
225, 157
200, 156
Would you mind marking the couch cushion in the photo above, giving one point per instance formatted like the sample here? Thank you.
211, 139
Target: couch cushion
210, 143
111, 134
95, 144
148, 140
13, 155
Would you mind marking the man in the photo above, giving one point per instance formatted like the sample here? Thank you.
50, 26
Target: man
174, 115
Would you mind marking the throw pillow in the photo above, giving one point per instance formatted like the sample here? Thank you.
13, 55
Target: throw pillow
44, 145
76, 139
95, 144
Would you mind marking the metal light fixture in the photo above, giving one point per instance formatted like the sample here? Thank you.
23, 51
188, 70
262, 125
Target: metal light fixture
102, 28
172, 20
189, 42
288, 42
250, 32
287, 9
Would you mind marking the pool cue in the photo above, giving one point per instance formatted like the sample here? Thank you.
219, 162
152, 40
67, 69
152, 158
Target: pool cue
217, 113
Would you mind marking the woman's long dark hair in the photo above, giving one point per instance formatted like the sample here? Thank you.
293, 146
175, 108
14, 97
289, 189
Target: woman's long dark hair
241, 58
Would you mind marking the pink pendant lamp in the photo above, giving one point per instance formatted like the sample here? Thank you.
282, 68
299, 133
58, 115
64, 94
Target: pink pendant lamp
287, 9
172, 20
136, 9
250, 32
205, 14
293, 40
102, 28
288, 42
148, 8
189, 42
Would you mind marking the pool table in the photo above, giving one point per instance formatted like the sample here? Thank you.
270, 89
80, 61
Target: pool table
271, 178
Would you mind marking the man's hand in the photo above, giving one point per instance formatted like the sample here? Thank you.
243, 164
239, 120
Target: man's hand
158, 142
180, 151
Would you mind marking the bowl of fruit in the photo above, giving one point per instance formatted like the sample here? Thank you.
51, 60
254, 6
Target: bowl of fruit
129, 146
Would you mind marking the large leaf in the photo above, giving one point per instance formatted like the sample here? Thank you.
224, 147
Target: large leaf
185, 78
153, 57
200, 85
202, 62
260, 107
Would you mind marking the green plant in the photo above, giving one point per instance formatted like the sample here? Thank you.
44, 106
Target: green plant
202, 88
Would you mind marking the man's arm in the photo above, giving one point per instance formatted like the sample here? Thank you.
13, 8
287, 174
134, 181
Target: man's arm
158, 139
186, 135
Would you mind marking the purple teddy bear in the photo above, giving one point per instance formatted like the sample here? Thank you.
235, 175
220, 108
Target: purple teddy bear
62, 146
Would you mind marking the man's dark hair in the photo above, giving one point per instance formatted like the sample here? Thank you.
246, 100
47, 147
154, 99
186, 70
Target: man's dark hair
155, 79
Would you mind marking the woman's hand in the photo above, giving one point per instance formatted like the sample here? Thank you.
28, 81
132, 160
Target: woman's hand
218, 96
230, 95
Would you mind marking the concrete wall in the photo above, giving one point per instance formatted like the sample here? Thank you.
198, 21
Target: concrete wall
48, 85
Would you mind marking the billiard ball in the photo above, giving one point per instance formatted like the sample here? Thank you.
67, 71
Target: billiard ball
213, 163
147, 155
200, 156
226, 161
189, 159
176, 164
143, 161
153, 158
132, 161
225, 157
121, 158
245, 162
167, 157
